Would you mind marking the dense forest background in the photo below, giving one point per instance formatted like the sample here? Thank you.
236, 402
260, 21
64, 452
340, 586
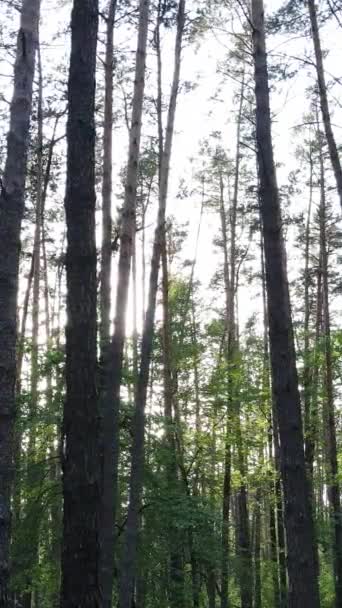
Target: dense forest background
170, 326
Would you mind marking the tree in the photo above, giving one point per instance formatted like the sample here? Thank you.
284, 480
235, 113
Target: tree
11, 212
128, 564
303, 584
323, 97
329, 405
112, 363
81, 445
107, 556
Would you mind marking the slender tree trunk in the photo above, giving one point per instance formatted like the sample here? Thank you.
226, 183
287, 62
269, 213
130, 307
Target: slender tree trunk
280, 514
12, 194
308, 375
211, 568
113, 361
81, 441
107, 183
36, 269
176, 591
227, 450
20, 350
257, 552
107, 513
307, 307
195, 561
16, 505
129, 557
312, 415
323, 97
303, 583
175, 539
271, 430
331, 447
246, 564
32, 516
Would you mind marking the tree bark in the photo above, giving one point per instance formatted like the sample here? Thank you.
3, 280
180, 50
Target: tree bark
113, 360
33, 480
81, 444
257, 552
322, 88
176, 571
227, 448
271, 436
107, 523
128, 564
303, 584
175, 540
107, 181
309, 379
307, 307
12, 195
329, 417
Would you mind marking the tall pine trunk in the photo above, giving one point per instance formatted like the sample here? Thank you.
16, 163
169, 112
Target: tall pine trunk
12, 195
129, 557
81, 445
323, 97
176, 572
107, 181
33, 473
107, 523
226, 497
174, 536
272, 435
329, 406
303, 583
113, 359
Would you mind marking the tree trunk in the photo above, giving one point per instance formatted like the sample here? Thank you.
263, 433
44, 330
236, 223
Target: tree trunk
227, 449
128, 565
308, 371
36, 267
176, 591
32, 516
323, 97
107, 184
107, 523
175, 538
266, 389
307, 307
246, 564
113, 361
11, 212
331, 447
303, 584
81, 444
257, 552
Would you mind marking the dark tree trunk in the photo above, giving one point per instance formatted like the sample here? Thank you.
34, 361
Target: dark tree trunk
107, 523
272, 433
32, 515
12, 194
280, 514
323, 97
81, 444
303, 583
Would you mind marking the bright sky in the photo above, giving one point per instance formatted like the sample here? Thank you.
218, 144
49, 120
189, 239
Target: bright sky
197, 117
